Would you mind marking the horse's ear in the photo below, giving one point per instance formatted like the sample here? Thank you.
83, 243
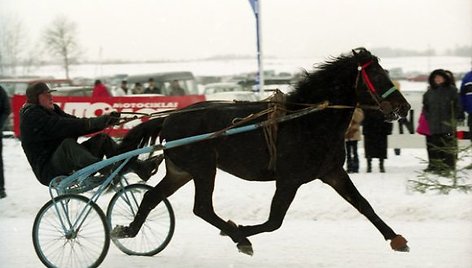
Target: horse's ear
358, 50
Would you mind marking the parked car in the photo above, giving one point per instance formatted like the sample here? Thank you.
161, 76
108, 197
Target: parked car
73, 91
18, 86
284, 84
212, 88
228, 91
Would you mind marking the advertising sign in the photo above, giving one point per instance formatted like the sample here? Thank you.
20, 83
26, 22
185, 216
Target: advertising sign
92, 107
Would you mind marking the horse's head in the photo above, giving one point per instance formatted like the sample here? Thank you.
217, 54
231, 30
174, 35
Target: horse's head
373, 81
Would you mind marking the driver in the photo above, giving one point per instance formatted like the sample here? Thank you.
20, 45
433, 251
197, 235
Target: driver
49, 138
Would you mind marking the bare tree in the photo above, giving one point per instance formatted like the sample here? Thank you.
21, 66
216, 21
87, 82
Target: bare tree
12, 44
61, 41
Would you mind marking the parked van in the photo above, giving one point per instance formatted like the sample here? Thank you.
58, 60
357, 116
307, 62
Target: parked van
163, 81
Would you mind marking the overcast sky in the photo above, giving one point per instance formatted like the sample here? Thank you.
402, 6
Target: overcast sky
183, 29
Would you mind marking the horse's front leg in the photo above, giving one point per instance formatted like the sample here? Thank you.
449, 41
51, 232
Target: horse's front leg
281, 201
340, 181
203, 207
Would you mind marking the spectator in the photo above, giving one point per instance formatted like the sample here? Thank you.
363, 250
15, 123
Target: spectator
376, 131
122, 90
152, 88
100, 90
441, 108
353, 136
176, 89
137, 89
453, 79
4, 113
49, 138
466, 100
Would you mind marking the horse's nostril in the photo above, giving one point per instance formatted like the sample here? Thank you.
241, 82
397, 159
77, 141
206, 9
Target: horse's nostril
407, 106
403, 109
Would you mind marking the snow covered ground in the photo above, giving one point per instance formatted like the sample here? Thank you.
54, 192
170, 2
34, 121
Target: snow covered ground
320, 230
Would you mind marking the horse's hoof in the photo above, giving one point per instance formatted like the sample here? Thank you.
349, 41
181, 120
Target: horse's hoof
246, 248
232, 224
119, 232
403, 249
398, 243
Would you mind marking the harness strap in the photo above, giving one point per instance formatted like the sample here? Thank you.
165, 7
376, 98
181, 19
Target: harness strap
388, 92
277, 105
366, 78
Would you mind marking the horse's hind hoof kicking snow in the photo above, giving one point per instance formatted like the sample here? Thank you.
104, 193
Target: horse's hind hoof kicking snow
120, 232
245, 247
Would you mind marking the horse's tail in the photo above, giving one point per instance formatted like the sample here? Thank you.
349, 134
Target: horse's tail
141, 135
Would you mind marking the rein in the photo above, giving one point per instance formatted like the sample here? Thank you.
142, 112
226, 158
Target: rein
239, 121
361, 72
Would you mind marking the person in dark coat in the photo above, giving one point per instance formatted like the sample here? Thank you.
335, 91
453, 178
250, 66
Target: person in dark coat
442, 110
152, 88
4, 113
176, 89
49, 138
375, 130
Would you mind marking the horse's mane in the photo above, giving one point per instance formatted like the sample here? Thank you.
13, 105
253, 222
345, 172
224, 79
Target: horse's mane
329, 79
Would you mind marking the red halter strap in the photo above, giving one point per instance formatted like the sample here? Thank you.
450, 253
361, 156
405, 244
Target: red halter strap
366, 78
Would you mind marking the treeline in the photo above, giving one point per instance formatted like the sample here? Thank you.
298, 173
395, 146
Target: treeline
58, 42
460, 51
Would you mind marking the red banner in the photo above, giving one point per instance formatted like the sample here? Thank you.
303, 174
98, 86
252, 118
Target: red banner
92, 107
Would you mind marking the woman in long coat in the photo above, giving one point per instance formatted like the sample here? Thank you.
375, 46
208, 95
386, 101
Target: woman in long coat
442, 109
376, 131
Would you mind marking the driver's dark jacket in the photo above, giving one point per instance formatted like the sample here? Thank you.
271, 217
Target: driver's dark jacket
43, 130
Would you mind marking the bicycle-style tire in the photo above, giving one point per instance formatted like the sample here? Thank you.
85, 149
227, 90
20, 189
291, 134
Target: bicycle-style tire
84, 248
157, 230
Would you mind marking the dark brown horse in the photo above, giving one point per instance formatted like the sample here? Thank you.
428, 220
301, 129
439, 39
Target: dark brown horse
309, 146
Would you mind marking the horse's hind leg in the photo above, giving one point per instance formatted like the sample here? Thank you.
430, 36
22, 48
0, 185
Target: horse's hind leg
340, 181
203, 207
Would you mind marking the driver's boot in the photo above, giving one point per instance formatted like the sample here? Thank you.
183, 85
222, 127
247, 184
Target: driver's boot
146, 168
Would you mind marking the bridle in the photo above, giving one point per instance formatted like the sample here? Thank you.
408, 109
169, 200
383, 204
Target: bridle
380, 100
